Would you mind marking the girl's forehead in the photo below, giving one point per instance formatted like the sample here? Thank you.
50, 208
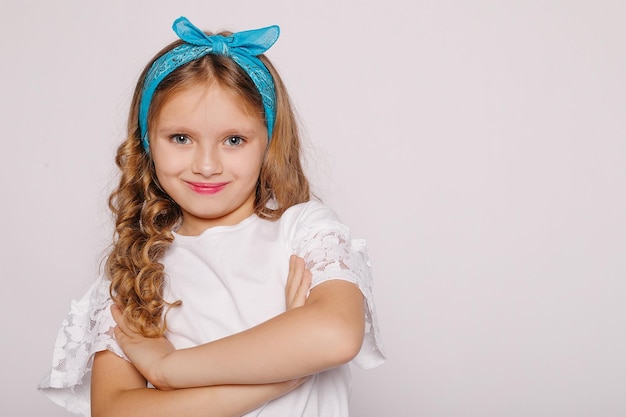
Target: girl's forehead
205, 90
212, 109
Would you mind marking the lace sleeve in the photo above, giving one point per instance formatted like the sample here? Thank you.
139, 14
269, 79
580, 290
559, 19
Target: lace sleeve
330, 253
87, 329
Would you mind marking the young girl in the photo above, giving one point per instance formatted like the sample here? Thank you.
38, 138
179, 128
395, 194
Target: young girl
215, 228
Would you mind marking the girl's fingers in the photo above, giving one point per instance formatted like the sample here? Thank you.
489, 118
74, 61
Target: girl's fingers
289, 286
298, 283
294, 279
116, 312
299, 297
294, 383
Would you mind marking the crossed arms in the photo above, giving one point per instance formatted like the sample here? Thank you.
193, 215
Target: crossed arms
236, 374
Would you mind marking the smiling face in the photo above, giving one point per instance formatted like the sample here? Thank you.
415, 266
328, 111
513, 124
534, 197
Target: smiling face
208, 149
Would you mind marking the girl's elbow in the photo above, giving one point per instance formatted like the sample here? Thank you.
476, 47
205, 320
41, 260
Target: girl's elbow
350, 349
346, 343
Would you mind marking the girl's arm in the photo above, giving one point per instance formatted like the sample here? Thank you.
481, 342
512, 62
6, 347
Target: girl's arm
119, 390
327, 331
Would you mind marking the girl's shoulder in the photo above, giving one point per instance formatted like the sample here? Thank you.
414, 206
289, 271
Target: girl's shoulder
312, 221
312, 211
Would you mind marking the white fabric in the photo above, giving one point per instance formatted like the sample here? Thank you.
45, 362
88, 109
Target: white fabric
231, 278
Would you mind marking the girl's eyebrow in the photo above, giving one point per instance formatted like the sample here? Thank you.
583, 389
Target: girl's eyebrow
235, 131
239, 131
172, 129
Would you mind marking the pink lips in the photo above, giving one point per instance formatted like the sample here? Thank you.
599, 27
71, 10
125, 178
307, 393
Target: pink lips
207, 188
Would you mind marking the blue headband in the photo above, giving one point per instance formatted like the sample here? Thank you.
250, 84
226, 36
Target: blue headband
241, 47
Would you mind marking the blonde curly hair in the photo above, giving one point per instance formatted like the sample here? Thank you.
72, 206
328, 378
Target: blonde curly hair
145, 215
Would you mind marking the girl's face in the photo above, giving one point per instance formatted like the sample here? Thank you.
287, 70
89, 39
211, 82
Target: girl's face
207, 151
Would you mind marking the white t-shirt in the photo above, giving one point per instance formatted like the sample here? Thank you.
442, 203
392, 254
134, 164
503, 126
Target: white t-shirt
230, 278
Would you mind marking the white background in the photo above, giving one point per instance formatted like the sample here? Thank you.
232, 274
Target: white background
479, 146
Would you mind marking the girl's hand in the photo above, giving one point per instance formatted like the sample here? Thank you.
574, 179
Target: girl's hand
145, 353
298, 283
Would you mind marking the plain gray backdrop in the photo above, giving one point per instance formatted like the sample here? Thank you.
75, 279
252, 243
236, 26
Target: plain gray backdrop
479, 147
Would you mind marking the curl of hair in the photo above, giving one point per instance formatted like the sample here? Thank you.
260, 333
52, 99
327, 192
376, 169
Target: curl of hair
145, 215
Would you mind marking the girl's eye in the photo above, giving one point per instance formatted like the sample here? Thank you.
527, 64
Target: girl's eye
234, 141
180, 139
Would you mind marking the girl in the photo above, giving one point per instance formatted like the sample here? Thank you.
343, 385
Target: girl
214, 229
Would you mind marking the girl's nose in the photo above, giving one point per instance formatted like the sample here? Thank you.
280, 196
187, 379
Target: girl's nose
206, 162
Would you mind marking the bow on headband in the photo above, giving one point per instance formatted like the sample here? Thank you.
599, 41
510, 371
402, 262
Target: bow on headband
241, 47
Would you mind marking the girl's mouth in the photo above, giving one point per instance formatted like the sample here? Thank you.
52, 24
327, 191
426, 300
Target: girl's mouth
207, 188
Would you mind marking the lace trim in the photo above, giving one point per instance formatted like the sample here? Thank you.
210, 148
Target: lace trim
330, 253
87, 329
